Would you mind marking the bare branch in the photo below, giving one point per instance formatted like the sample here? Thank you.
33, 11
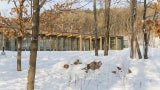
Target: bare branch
42, 3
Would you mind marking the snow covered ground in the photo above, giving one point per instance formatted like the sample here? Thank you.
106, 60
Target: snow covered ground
51, 75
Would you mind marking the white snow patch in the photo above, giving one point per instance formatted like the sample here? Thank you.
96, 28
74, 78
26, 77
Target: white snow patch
51, 75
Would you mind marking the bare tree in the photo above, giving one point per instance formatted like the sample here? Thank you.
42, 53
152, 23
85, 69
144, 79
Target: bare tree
34, 43
95, 28
133, 6
19, 39
134, 41
107, 22
19, 11
145, 32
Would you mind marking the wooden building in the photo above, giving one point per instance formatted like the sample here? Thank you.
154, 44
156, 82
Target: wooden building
65, 42
116, 43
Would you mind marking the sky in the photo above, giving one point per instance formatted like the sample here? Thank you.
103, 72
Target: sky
5, 8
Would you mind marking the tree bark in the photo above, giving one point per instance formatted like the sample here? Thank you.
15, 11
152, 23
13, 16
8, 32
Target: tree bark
133, 47
133, 6
19, 38
34, 45
3, 39
95, 27
138, 50
145, 45
19, 51
107, 22
146, 40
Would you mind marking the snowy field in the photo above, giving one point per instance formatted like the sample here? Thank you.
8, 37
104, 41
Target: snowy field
51, 74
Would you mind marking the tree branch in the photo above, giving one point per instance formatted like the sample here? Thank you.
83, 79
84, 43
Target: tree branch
42, 3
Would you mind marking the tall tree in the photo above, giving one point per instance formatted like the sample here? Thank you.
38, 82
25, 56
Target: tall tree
19, 38
138, 49
18, 9
134, 41
145, 32
95, 28
34, 45
19, 25
133, 7
107, 19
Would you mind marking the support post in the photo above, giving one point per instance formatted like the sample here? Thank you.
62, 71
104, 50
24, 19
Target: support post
116, 38
90, 43
100, 43
80, 42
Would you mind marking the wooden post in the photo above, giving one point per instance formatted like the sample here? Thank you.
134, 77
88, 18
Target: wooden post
56, 43
100, 43
44, 43
66, 43
90, 43
39, 43
80, 42
53, 43
63, 45
109, 44
84, 44
71, 43
116, 39
77, 43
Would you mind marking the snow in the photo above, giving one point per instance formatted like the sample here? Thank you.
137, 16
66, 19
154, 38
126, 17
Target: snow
50, 74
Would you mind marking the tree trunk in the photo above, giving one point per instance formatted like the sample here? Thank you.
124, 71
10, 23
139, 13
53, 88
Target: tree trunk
145, 32
95, 27
133, 47
3, 39
19, 38
145, 46
133, 5
138, 50
34, 46
19, 50
107, 20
